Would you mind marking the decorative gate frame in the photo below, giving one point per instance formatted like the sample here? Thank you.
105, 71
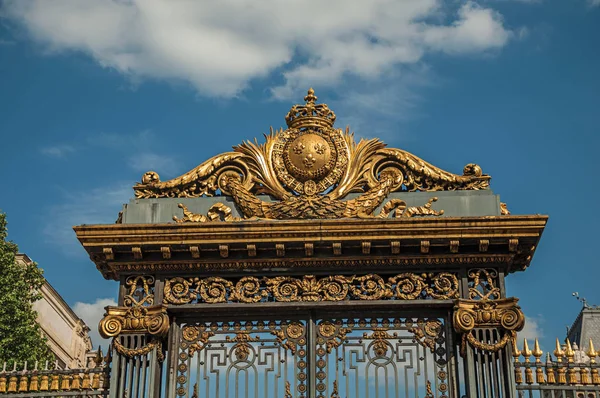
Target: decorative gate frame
313, 223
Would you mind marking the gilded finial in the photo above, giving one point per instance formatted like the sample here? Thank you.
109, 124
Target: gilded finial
310, 97
558, 352
537, 353
591, 352
526, 351
569, 353
516, 353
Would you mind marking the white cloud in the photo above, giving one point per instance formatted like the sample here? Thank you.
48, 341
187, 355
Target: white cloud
532, 330
58, 151
594, 3
92, 313
219, 47
143, 162
97, 206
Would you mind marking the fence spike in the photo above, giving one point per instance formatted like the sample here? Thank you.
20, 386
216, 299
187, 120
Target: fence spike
591, 352
36, 366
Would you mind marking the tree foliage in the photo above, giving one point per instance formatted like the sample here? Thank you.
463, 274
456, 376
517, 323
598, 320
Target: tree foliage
21, 337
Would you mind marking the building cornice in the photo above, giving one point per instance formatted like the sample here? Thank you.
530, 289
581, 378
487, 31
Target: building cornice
274, 244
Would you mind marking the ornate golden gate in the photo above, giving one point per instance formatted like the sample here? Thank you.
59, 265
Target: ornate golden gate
313, 266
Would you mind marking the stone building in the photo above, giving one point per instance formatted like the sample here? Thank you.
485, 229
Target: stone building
67, 334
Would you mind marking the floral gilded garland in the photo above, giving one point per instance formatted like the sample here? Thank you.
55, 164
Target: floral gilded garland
309, 288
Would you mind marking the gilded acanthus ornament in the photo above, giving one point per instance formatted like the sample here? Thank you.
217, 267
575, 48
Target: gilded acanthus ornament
501, 314
249, 289
308, 169
427, 332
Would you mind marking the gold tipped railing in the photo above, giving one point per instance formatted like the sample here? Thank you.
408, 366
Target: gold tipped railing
22, 381
575, 370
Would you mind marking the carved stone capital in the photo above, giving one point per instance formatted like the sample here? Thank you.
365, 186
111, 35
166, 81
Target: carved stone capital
126, 320
502, 314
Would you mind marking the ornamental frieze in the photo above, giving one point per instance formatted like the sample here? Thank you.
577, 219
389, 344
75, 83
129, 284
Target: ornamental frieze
309, 288
309, 169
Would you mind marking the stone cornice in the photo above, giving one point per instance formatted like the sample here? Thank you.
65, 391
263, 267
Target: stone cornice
320, 243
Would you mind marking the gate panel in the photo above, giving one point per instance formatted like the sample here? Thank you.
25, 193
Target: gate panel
242, 359
387, 357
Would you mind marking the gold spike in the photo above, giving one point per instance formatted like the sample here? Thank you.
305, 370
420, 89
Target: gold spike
526, 351
558, 352
526, 354
44, 383
516, 353
34, 383
591, 352
562, 371
537, 353
23, 382
569, 353
515, 350
2, 383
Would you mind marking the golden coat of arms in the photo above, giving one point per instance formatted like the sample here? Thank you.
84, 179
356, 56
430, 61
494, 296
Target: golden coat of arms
309, 168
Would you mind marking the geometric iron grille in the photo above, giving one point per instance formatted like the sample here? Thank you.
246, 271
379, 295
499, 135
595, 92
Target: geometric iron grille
310, 356
226, 359
381, 358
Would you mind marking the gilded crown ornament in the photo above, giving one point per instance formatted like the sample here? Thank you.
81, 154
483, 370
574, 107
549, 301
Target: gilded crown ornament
308, 169
310, 114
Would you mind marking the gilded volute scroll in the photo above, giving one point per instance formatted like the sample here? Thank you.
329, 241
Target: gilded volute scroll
309, 168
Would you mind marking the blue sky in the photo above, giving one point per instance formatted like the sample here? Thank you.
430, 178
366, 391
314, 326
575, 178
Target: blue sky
93, 94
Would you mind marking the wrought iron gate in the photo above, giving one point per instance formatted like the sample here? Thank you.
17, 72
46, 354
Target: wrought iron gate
314, 354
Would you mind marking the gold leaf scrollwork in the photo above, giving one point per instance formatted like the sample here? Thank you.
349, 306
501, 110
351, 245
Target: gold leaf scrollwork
482, 284
242, 341
332, 335
249, 290
217, 212
445, 286
502, 314
197, 338
427, 332
290, 336
380, 337
405, 286
178, 291
214, 289
142, 285
124, 320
